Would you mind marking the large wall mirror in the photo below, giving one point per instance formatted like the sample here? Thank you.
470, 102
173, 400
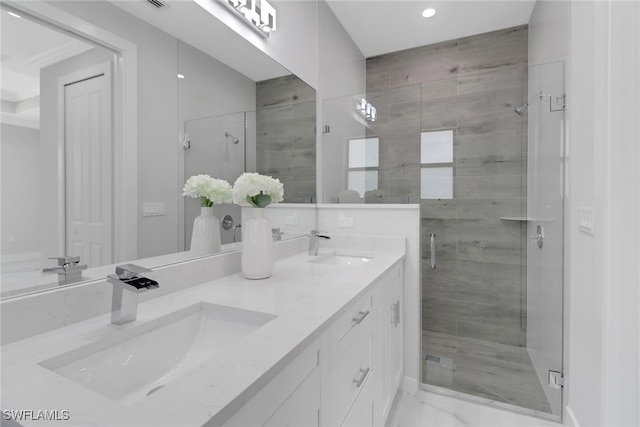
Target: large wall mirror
206, 104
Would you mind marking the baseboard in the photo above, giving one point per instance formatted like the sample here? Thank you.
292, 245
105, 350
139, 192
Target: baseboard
570, 419
410, 385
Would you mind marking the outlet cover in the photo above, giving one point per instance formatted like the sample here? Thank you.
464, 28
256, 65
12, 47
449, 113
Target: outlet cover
291, 219
345, 222
585, 220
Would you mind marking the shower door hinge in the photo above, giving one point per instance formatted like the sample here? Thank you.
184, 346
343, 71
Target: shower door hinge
556, 379
326, 129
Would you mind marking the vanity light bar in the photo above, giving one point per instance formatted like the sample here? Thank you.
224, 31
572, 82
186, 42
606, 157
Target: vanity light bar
258, 12
367, 110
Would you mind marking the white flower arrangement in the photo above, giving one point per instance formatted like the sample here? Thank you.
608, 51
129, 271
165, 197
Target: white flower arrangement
257, 190
209, 190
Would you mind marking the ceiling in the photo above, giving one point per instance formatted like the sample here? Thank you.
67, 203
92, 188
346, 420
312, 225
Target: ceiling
382, 26
28, 47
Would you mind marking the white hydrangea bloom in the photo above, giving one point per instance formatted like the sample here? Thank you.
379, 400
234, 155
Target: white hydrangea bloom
253, 189
210, 191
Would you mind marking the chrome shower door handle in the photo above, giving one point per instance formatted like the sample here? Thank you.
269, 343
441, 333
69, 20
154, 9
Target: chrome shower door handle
432, 238
538, 238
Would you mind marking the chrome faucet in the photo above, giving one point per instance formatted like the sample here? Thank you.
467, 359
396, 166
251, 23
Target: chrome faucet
314, 241
69, 269
128, 282
234, 232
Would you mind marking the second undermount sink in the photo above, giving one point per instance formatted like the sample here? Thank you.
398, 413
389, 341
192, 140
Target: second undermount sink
344, 260
133, 364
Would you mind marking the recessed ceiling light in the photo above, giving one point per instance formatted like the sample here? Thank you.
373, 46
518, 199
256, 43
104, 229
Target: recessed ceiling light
15, 15
181, 76
428, 13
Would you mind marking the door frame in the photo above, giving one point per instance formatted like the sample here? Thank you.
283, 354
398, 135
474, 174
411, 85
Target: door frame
125, 119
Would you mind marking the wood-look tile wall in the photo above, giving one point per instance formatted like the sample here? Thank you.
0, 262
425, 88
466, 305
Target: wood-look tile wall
286, 138
471, 86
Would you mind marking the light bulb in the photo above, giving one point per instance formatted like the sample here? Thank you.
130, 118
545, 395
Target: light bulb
428, 13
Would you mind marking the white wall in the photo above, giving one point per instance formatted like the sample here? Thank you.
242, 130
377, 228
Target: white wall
548, 54
21, 204
604, 160
389, 220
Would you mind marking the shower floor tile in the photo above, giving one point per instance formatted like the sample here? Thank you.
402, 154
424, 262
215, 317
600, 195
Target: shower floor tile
485, 369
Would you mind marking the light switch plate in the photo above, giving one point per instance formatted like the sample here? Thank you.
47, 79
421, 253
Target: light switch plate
153, 209
585, 220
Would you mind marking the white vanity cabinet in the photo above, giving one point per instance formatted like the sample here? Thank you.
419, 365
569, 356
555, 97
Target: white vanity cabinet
348, 376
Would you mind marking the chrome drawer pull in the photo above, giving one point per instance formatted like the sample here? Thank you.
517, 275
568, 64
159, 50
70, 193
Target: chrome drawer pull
360, 317
363, 376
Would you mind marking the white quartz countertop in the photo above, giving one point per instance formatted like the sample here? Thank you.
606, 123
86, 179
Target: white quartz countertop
306, 297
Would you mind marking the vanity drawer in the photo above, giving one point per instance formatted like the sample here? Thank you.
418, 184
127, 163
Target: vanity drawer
356, 319
350, 375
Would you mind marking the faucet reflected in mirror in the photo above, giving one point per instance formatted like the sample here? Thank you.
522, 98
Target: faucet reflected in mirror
69, 269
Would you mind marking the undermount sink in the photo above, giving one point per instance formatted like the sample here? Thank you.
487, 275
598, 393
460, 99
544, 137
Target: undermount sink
135, 363
343, 260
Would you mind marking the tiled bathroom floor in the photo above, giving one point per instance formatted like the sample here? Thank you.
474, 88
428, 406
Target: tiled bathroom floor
433, 410
499, 372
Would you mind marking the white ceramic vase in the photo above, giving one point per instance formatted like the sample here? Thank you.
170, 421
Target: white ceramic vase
257, 246
205, 238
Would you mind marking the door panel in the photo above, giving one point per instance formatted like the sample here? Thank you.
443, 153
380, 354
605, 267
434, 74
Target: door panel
88, 171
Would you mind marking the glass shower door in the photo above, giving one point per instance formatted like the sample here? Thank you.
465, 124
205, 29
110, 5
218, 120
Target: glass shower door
491, 178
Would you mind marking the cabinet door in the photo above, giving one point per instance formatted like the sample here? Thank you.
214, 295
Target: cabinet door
301, 408
384, 380
396, 337
390, 347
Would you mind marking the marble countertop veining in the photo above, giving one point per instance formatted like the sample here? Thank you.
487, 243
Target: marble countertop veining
304, 296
